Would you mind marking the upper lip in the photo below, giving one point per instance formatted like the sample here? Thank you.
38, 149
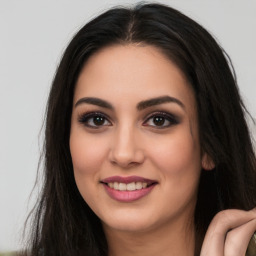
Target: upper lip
127, 180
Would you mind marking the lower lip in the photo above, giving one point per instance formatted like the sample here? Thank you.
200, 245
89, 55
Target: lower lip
128, 196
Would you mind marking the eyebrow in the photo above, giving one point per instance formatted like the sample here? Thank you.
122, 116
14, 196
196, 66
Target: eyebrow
140, 106
159, 100
94, 101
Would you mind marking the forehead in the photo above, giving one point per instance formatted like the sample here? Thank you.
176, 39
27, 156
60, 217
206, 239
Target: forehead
134, 72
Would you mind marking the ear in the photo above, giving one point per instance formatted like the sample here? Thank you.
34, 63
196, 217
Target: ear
207, 162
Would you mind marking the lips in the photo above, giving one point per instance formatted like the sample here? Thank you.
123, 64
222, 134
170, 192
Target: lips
127, 189
127, 180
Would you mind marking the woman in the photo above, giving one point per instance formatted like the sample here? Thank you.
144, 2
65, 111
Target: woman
146, 141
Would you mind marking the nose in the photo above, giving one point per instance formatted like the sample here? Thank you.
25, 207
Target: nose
125, 149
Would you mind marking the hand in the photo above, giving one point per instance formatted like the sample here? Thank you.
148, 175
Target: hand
229, 233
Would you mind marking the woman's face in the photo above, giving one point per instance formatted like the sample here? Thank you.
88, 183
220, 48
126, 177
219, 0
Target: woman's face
134, 139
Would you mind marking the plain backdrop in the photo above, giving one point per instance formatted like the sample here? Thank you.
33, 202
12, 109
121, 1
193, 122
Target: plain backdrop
33, 35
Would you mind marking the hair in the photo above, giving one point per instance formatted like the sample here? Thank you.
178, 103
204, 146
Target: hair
63, 222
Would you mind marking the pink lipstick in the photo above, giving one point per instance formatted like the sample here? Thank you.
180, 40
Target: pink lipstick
128, 189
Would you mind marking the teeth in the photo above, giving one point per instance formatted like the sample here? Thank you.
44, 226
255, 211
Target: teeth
122, 186
116, 186
139, 185
130, 186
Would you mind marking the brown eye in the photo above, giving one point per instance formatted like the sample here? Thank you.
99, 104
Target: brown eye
98, 120
161, 120
94, 120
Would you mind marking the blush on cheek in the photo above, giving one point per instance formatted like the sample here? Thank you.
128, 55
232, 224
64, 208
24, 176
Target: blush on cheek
84, 158
84, 165
177, 158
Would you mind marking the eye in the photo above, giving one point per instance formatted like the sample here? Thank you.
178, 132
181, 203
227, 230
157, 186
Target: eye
161, 120
94, 120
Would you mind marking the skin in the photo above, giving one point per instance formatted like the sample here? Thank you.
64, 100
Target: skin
128, 142
229, 233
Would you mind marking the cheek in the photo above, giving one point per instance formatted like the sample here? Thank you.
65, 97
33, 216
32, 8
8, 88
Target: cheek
179, 163
87, 153
177, 155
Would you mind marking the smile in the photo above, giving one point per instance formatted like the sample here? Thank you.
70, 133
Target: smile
127, 189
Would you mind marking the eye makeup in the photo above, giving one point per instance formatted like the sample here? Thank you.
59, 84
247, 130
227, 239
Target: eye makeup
94, 120
156, 120
161, 120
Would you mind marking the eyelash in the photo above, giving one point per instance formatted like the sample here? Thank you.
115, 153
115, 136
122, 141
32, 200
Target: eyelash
167, 117
84, 118
173, 120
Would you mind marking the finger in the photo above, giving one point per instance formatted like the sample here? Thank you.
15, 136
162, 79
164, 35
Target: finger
237, 239
223, 222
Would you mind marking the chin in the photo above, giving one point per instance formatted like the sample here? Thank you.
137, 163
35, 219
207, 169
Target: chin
129, 226
132, 222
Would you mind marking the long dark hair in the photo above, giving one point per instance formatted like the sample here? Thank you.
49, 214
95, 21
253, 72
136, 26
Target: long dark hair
63, 223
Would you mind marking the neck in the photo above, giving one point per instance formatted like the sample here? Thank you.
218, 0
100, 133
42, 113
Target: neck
171, 239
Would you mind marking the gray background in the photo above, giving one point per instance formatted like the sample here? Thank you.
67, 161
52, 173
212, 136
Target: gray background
33, 35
